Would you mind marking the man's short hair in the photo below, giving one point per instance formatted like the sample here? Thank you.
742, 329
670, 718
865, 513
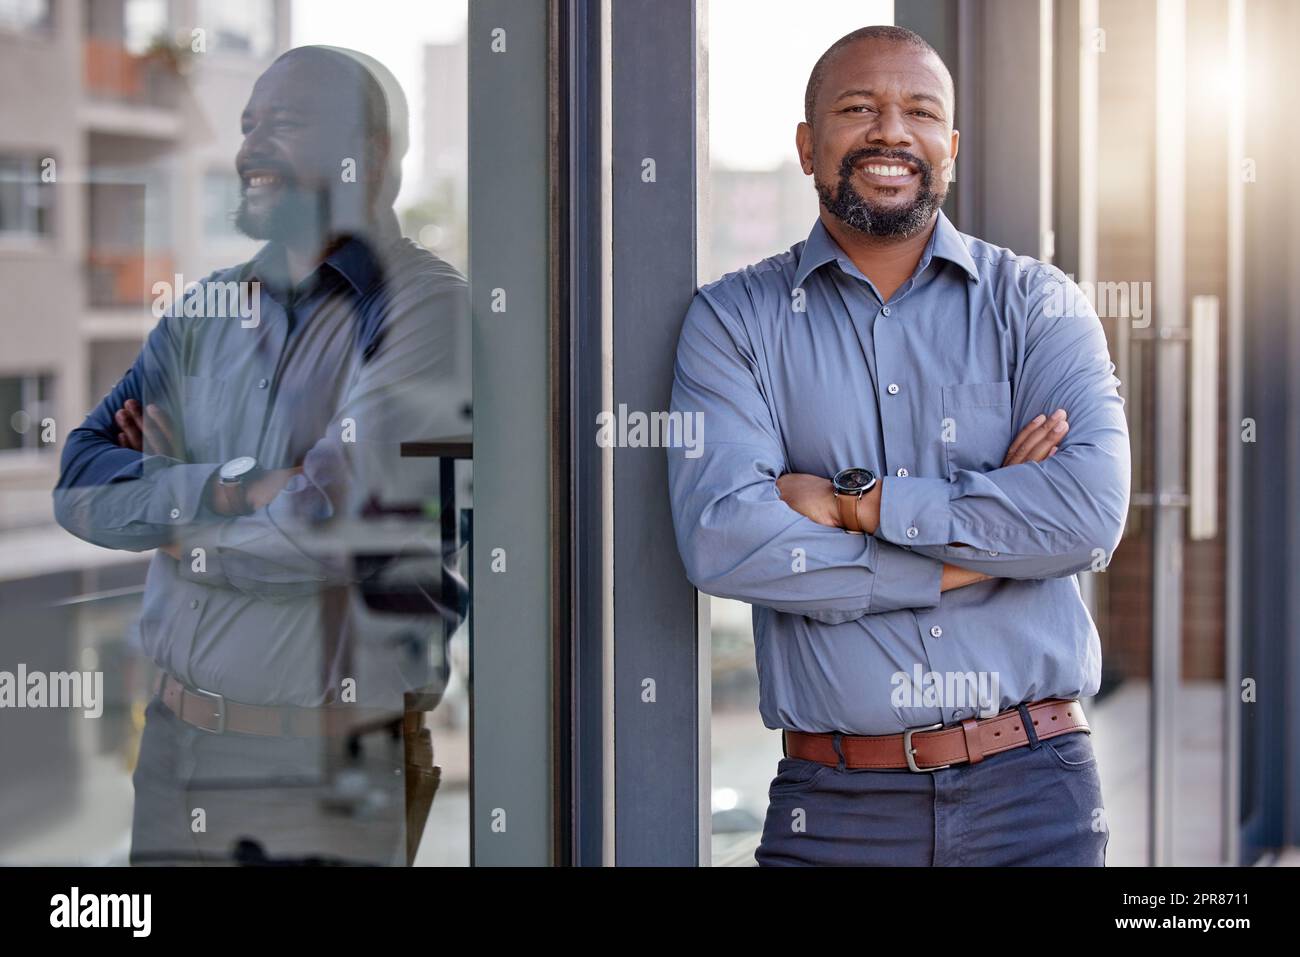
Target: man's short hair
880, 32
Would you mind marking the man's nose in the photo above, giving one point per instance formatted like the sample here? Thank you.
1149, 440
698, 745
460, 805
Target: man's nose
890, 129
252, 144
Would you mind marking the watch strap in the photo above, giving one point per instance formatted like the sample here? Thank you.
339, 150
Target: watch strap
849, 512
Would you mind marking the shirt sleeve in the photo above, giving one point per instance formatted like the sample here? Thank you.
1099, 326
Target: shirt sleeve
736, 537
307, 537
117, 497
1033, 520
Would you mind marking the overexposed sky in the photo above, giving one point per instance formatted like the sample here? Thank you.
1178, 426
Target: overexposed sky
760, 53
394, 32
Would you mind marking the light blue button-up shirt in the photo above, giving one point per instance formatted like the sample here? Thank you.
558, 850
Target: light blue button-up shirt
275, 613
794, 364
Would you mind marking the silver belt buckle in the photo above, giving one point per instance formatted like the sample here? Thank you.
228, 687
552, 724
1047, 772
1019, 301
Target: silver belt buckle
909, 752
220, 712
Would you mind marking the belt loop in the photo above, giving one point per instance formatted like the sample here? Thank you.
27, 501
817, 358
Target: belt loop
839, 752
1029, 726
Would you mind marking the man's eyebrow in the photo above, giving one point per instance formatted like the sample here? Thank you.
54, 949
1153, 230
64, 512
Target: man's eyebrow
274, 109
927, 97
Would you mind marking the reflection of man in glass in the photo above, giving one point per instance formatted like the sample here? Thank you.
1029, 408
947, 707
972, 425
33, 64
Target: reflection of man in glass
246, 451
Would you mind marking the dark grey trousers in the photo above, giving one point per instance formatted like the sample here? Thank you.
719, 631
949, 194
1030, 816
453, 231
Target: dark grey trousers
1029, 806
223, 799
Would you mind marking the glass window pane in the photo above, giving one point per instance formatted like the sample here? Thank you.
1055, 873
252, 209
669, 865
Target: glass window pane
264, 272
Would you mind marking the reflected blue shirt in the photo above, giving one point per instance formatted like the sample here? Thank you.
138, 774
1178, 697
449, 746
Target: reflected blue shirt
795, 364
334, 376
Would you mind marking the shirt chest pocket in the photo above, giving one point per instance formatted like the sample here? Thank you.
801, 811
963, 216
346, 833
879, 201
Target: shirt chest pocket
201, 412
976, 425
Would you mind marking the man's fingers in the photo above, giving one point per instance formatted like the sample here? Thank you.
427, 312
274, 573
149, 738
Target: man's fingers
1041, 448
1018, 442
1032, 436
159, 428
130, 429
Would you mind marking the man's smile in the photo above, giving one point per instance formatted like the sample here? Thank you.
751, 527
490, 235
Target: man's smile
259, 182
883, 172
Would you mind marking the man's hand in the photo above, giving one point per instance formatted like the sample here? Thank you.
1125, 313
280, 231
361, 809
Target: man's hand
1038, 440
268, 485
146, 430
234, 500
811, 496
814, 497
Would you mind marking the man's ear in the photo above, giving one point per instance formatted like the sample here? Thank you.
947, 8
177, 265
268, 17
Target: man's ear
803, 144
378, 148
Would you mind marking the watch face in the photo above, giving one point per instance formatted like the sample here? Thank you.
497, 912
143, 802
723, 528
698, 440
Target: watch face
852, 481
236, 468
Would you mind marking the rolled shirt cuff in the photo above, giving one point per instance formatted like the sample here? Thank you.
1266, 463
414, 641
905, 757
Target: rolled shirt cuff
904, 579
178, 493
915, 511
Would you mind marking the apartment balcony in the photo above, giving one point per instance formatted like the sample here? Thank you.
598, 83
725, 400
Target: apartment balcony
124, 279
132, 93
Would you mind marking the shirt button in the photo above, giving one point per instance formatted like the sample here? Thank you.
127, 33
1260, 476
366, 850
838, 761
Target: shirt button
176, 513
892, 389
194, 603
936, 632
901, 473
885, 311
262, 383
912, 532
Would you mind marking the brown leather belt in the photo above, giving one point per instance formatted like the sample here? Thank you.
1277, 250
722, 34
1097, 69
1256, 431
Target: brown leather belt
931, 749
217, 714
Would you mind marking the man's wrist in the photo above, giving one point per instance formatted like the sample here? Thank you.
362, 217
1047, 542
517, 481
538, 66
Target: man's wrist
867, 509
225, 499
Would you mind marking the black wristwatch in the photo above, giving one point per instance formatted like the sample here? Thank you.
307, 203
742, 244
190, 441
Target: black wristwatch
239, 471
850, 485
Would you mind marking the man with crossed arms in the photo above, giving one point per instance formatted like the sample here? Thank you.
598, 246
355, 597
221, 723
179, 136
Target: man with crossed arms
892, 482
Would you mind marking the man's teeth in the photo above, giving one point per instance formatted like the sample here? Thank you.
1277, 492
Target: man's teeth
888, 170
263, 180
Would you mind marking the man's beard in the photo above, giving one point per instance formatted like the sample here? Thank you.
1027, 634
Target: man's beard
898, 222
293, 216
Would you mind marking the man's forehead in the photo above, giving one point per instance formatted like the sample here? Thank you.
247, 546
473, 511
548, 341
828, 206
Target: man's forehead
883, 67
303, 85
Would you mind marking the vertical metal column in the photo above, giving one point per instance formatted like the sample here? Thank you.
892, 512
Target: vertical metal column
511, 633
1235, 358
580, 270
1075, 198
1170, 416
1003, 73
653, 112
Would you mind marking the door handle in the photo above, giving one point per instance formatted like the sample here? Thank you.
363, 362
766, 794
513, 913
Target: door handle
1201, 498
1203, 420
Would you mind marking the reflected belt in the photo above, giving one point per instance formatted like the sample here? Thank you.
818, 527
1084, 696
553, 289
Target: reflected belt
209, 711
935, 746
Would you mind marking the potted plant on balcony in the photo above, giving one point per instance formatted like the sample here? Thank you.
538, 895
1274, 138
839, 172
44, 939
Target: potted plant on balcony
169, 54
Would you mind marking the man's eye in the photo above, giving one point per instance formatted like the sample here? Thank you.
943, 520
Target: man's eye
924, 113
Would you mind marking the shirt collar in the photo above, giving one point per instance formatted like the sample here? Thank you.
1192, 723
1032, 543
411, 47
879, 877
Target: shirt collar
945, 242
357, 259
